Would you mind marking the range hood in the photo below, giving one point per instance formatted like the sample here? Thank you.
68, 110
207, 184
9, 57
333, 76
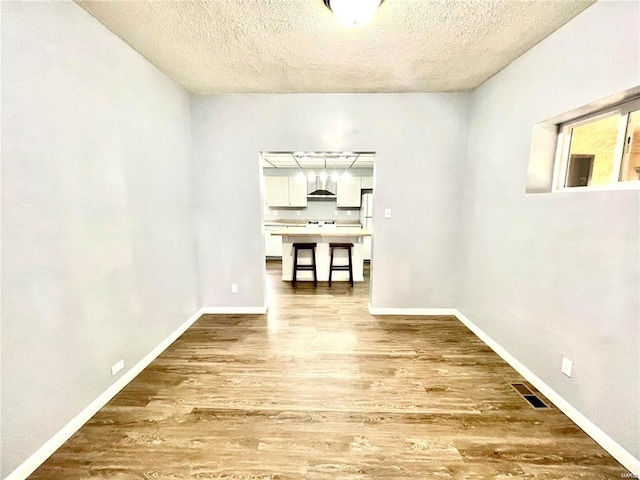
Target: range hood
322, 189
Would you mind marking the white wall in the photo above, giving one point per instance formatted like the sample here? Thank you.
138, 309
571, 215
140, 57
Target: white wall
557, 274
420, 145
98, 256
98, 244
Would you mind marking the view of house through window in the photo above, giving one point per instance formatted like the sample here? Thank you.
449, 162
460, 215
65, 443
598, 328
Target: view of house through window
592, 152
631, 160
602, 149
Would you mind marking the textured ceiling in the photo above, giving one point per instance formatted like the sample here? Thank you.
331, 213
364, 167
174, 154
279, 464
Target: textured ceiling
267, 46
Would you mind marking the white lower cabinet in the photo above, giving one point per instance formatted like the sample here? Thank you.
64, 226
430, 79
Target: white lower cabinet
272, 243
366, 248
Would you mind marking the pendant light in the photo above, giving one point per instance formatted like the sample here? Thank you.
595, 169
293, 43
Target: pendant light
354, 13
300, 177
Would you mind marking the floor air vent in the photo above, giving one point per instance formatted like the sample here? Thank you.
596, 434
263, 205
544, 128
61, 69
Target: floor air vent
528, 395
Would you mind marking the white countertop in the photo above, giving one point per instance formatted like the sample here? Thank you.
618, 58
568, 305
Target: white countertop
294, 223
323, 232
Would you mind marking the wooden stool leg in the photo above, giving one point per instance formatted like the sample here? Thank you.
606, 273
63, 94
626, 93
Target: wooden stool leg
350, 268
295, 266
313, 260
331, 266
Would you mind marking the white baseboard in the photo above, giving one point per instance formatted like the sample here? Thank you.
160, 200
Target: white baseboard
44, 452
411, 311
605, 441
55, 442
590, 428
234, 310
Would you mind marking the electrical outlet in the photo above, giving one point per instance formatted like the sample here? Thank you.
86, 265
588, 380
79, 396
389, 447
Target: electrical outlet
348, 213
298, 213
387, 213
567, 366
335, 213
117, 367
234, 288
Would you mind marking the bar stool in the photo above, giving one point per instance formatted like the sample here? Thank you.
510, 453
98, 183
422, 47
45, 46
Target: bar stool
349, 267
307, 267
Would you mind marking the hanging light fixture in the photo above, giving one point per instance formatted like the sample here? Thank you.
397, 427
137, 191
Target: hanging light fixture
354, 13
300, 177
346, 176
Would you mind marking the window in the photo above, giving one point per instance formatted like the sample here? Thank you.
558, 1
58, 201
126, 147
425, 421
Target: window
601, 149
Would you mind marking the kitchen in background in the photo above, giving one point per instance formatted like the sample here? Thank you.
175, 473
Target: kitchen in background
330, 189
366, 221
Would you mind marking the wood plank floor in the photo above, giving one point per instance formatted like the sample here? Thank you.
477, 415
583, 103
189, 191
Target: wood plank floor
319, 389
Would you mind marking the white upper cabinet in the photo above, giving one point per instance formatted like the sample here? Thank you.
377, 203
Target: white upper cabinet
297, 192
348, 194
280, 191
276, 191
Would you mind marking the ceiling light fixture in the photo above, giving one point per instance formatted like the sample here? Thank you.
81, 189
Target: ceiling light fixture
300, 175
354, 13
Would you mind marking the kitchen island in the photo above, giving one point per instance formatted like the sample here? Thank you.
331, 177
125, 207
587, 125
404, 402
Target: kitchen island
322, 236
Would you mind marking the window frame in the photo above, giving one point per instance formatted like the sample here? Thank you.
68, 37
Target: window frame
563, 148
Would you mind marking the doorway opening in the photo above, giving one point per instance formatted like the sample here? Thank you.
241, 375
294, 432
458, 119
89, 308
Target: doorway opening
319, 197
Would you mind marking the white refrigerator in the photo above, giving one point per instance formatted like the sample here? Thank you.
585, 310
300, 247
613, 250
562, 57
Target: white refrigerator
366, 219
